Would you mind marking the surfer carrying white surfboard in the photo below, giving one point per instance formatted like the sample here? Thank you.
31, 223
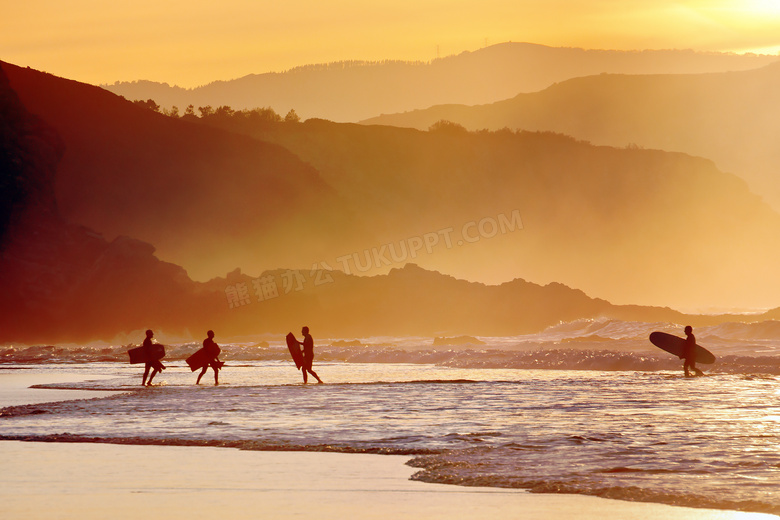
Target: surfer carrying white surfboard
308, 355
689, 353
212, 351
151, 361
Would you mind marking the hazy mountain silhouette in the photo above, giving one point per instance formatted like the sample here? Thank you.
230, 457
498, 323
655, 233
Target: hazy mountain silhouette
352, 91
414, 301
65, 282
199, 194
628, 225
732, 118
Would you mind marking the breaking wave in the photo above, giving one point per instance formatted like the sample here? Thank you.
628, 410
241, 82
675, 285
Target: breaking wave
741, 348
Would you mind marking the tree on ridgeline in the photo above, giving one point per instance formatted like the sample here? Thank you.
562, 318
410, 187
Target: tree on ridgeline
225, 116
243, 121
224, 112
259, 116
292, 117
149, 103
447, 127
189, 113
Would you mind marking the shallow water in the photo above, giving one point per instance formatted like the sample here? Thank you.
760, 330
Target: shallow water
649, 436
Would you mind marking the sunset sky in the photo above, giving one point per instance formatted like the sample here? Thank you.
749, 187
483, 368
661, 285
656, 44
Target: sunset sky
189, 43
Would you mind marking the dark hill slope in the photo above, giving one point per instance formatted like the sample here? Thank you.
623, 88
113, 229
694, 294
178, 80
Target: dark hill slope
183, 187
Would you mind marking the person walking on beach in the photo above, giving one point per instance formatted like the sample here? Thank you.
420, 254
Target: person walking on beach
212, 350
689, 353
308, 356
151, 363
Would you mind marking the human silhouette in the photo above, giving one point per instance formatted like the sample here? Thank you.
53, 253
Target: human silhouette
308, 356
212, 350
689, 353
154, 364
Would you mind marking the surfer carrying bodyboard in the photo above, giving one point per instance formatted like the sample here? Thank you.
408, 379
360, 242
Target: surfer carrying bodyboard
210, 358
308, 355
151, 354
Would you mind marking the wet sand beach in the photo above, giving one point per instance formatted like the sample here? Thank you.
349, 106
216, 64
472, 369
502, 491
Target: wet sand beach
96, 481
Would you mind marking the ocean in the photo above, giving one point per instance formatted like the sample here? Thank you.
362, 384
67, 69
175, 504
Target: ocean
586, 407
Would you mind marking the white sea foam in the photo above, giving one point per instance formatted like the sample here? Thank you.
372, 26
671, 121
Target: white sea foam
746, 348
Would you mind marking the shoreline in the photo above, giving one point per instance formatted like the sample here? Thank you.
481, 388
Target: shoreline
15, 387
97, 480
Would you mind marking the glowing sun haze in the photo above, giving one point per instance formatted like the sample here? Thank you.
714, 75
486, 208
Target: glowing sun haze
190, 43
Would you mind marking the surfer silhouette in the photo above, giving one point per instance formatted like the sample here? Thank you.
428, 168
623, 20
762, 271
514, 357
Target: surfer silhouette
212, 350
308, 356
151, 364
689, 354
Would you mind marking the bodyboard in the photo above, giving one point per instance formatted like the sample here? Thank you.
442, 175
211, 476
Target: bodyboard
138, 354
202, 358
295, 350
676, 345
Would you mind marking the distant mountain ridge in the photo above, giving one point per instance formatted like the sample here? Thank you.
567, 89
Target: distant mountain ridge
624, 224
732, 118
353, 91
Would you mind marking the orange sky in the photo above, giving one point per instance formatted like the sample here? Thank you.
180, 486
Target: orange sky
193, 42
